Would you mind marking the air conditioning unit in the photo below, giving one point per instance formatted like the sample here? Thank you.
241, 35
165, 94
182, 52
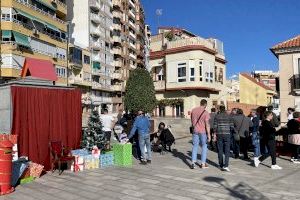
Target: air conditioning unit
35, 31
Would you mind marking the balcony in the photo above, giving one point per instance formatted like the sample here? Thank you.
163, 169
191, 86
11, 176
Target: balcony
95, 18
79, 81
131, 55
117, 51
118, 15
101, 99
117, 27
94, 4
116, 39
132, 45
99, 86
117, 100
117, 88
132, 25
76, 63
295, 83
95, 31
32, 7
117, 63
132, 3
96, 45
194, 41
132, 35
132, 13
159, 85
132, 66
117, 75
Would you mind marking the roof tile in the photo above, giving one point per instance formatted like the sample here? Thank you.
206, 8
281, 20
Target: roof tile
293, 42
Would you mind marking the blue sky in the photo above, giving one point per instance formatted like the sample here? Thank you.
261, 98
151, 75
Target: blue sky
248, 28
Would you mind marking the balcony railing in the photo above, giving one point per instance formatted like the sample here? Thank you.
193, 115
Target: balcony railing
132, 3
194, 41
94, 4
132, 25
132, 35
118, 63
40, 11
132, 55
95, 18
159, 85
61, 4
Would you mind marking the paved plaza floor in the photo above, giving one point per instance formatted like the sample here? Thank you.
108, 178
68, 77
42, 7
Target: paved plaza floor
169, 178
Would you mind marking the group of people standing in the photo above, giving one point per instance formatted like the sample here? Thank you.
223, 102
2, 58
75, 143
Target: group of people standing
232, 130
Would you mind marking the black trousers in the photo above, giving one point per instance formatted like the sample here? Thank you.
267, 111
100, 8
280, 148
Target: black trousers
271, 146
223, 145
244, 146
296, 151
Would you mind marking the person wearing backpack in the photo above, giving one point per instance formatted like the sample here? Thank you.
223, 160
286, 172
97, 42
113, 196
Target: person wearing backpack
201, 133
242, 134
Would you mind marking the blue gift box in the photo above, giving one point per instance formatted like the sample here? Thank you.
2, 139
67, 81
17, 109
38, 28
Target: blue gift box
80, 152
106, 160
18, 169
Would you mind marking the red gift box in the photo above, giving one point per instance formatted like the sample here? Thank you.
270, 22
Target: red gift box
35, 170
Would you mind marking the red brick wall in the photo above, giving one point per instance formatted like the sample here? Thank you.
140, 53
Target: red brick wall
245, 107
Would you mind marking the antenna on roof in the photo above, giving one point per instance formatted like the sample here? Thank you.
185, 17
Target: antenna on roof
159, 13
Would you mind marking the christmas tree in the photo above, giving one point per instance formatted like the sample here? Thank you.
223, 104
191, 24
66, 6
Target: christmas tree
93, 135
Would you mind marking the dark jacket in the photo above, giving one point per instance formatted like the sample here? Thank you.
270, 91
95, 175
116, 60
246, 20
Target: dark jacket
242, 124
267, 131
166, 137
255, 127
293, 127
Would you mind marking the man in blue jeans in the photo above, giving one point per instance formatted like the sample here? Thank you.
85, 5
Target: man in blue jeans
200, 121
142, 125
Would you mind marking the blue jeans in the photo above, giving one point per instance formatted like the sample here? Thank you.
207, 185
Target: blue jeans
145, 140
199, 138
256, 144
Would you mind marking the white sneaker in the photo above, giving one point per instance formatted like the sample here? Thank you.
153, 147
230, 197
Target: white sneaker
296, 161
256, 161
226, 169
275, 167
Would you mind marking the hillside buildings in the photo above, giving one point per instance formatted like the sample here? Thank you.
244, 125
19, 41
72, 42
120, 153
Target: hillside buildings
186, 68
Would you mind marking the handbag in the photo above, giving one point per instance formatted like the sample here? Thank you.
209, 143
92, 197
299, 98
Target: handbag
192, 128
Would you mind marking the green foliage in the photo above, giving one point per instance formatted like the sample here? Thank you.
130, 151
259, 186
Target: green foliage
93, 135
170, 36
169, 102
140, 92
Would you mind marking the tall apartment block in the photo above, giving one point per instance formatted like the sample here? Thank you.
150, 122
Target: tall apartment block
90, 27
36, 30
129, 40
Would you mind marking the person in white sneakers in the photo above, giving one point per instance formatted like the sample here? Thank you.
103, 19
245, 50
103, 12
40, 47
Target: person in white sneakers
268, 133
255, 137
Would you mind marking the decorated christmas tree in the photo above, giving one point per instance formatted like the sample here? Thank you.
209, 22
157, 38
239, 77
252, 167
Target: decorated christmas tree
93, 135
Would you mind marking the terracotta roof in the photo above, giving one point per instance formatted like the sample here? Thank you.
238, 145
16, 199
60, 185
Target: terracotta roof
255, 81
293, 42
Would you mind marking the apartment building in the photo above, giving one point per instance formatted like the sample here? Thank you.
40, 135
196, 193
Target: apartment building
288, 54
186, 68
267, 77
129, 41
91, 27
35, 29
254, 92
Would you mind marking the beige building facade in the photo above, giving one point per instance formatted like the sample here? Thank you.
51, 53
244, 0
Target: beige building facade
288, 54
186, 68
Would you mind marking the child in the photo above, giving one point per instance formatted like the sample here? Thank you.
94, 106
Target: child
268, 133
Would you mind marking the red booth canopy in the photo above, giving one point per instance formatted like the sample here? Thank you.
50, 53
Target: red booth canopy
37, 68
41, 115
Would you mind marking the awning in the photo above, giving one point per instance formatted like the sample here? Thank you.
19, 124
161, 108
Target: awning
52, 27
6, 33
96, 65
37, 68
30, 16
48, 5
21, 39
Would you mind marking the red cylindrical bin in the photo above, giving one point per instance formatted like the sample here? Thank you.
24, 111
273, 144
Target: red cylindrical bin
5, 167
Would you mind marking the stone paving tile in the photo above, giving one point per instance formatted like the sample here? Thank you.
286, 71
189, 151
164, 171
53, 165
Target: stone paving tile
167, 178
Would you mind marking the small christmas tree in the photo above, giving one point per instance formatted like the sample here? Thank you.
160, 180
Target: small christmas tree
93, 135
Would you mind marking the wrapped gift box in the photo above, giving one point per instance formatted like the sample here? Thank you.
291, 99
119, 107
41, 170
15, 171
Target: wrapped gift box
27, 180
35, 169
90, 162
18, 170
106, 159
123, 154
82, 152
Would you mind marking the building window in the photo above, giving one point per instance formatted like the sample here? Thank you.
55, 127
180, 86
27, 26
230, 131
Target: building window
200, 71
61, 72
181, 72
192, 74
298, 65
209, 77
86, 59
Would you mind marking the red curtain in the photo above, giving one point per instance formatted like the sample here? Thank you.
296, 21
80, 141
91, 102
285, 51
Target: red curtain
41, 115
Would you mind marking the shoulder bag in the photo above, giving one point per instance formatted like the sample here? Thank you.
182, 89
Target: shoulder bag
192, 127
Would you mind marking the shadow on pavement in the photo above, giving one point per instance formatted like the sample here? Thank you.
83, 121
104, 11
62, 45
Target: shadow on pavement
240, 191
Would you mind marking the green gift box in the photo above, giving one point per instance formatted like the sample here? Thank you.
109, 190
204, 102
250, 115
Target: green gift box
27, 180
123, 154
